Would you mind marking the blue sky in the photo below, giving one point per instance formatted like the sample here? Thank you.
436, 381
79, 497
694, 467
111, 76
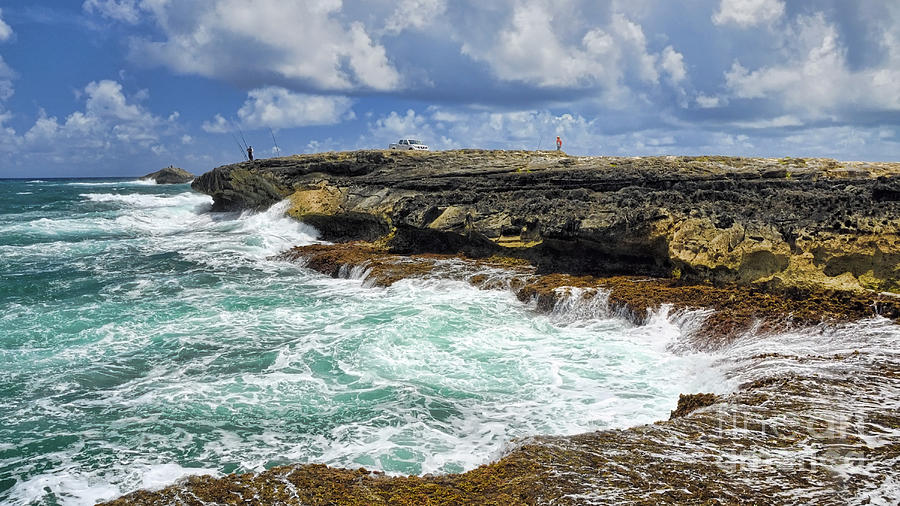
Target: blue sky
124, 87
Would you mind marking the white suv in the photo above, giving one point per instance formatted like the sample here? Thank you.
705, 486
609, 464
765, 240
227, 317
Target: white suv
409, 144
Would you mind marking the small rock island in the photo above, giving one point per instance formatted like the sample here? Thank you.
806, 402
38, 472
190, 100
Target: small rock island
170, 175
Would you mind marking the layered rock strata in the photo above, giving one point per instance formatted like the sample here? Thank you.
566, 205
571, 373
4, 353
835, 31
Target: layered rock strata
779, 223
764, 244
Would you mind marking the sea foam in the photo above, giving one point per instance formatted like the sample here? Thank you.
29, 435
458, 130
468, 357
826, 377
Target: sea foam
164, 339
125, 183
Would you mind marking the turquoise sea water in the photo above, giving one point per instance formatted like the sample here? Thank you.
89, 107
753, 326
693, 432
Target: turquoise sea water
143, 338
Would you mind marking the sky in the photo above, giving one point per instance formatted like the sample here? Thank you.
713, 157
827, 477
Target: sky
125, 87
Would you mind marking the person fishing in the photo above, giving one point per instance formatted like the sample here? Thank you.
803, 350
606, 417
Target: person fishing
558, 143
250, 153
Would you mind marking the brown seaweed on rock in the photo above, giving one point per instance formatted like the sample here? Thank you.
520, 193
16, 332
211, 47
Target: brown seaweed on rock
780, 441
793, 262
800, 428
736, 308
688, 403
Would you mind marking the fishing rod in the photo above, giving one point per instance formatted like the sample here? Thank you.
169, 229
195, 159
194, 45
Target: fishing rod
277, 149
243, 151
235, 126
242, 138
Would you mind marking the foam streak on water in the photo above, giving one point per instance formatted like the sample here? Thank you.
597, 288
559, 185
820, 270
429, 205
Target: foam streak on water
144, 338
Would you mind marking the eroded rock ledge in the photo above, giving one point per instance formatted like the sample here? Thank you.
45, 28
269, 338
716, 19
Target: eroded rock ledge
789, 240
736, 309
801, 427
776, 223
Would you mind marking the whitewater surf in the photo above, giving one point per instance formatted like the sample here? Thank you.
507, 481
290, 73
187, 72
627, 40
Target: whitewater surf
145, 338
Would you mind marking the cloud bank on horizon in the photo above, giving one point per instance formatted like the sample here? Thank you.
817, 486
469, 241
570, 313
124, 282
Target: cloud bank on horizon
126, 86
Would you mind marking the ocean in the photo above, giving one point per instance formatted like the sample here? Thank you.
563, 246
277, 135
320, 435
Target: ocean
144, 338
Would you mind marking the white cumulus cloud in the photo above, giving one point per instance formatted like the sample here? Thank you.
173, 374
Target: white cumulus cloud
746, 13
5, 31
351, 47
778, 122
218, 125
6, 76
540, 44
280, 108
6, 73
109, 125
815, 77
414, 14
673, 63
304, 42
709, 102
396, 125
121, 10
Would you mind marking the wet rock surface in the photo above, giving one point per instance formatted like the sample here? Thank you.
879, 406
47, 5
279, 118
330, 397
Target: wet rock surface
787, 264
688, 403
782, 223
170, 175
807, 423
732, 309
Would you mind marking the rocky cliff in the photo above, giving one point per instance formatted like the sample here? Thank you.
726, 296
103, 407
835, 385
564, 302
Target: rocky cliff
809, 420
780, 223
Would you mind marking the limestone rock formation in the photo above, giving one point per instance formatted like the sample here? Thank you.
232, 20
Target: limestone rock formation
170, 175
787, 223
818, 229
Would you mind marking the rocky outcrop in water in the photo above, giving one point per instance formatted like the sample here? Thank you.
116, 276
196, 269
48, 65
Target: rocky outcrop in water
810, 418
779, 223
807, 425
734, 309
170, 175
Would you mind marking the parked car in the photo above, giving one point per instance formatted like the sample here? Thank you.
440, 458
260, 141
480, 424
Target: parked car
409, 144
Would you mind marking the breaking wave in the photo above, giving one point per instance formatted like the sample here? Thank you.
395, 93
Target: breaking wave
147, 338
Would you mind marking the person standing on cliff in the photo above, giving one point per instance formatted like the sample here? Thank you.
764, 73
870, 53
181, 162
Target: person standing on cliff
250, 153
558, 143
